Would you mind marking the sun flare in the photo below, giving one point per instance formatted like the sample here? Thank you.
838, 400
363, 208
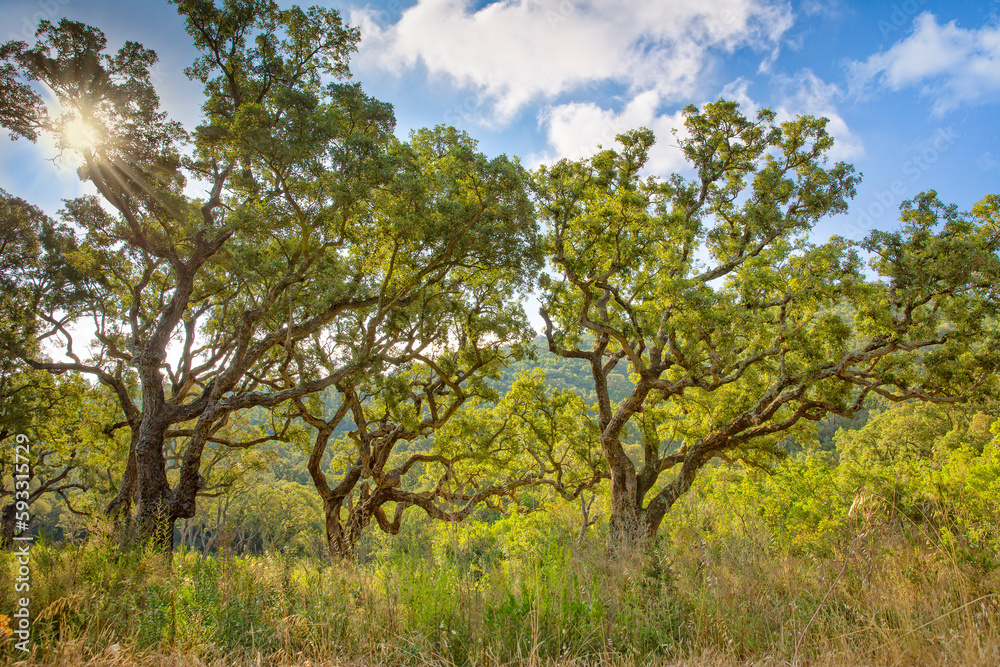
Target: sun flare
81, 135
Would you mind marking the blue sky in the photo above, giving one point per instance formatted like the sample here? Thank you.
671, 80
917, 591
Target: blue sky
912, 88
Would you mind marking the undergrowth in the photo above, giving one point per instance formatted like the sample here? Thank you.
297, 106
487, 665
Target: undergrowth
880, 600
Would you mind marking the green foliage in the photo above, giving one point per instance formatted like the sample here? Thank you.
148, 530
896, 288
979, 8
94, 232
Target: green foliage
737, 328
343, 305
934, 467
926, 470
325, 252
59, 423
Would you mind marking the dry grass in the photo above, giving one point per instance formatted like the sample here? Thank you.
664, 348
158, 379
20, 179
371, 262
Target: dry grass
882, 600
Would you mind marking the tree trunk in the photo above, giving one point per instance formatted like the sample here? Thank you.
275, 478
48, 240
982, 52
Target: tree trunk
631, 523
626, 523
337, 543
119, 510
342, 537
7, 526
154, 522
665, 499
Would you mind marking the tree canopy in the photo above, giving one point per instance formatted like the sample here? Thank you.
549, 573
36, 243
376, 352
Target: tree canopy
360, 296
323, 248
725, 310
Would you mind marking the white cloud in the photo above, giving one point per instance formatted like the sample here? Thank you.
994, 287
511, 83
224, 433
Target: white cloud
807, 94
830, 9
519, 51
577, 129
951, 65
987, 162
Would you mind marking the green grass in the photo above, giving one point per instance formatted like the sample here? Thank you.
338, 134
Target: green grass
897, 602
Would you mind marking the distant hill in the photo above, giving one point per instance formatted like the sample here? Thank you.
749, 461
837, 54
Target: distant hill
568, 374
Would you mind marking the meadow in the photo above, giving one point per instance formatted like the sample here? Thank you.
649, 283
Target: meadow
751, 569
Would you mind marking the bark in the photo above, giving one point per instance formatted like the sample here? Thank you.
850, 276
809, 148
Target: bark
585, 506
627, 522
119, 510
7, 526
338, 544
342, 536
664, 501
335, 543
154, 522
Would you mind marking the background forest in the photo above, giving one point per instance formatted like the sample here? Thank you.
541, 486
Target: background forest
934, 466
301, 416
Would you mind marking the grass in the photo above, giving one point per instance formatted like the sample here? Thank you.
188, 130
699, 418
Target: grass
885, 598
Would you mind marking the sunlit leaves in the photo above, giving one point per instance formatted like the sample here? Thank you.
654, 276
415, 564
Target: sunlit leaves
323, 251
728, 313
107, 97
